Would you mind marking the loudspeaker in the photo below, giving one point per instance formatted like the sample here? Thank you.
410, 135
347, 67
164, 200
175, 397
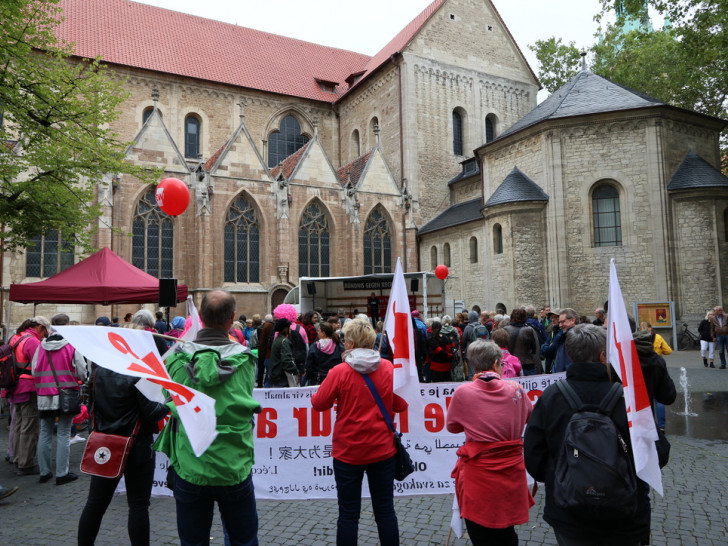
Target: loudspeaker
167, 292
414, 285
311, 288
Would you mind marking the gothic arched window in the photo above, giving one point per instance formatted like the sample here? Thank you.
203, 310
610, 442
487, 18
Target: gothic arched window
193, 128
377, 244
152, 244
285, 141
48, 255
606, 216
313, 243
242, 243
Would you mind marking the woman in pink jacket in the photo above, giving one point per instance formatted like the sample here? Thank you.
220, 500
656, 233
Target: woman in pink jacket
490, 475
362, 441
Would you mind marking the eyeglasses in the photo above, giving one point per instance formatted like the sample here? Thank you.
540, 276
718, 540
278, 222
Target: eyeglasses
565, 321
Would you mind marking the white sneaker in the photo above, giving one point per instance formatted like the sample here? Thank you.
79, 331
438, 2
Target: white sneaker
77, 439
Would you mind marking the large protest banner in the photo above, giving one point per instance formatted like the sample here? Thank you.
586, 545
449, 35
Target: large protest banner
293, 443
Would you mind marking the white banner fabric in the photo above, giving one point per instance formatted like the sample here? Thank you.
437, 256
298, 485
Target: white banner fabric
293, 444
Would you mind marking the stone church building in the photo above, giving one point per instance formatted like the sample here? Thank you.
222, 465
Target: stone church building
306, 160
596, 171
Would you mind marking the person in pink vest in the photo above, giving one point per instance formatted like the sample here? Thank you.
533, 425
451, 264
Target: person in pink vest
55, 353
23, 396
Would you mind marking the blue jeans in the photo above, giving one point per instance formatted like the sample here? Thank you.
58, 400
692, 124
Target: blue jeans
661, 415
63, 444
721, 342
195, 505
380, 476
531, 370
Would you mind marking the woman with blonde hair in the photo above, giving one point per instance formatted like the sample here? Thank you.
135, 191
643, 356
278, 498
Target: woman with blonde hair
362, 440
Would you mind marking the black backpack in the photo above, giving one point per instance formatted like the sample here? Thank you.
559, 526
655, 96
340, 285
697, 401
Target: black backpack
299, 346
8, 367
594, 476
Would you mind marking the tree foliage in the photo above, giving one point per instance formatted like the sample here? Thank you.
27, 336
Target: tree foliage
56, 115
558, 62
684, 64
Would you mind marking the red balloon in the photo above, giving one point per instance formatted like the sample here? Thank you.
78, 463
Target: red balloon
441, 272
172, 196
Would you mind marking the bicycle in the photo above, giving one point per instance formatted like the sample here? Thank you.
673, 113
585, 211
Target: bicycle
687, 339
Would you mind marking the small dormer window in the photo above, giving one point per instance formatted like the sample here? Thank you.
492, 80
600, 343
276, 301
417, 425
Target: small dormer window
327, 86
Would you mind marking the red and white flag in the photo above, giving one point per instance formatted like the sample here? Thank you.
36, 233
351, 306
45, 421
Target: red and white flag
622, 354
398, 326
133, 352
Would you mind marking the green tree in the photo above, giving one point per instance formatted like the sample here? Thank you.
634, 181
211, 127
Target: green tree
684, 64
57, 110
558, 62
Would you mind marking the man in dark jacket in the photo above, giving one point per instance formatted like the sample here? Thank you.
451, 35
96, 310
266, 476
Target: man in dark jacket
556, 349
589, 376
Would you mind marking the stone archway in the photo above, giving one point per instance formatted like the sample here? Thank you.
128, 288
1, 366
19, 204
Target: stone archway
277, 297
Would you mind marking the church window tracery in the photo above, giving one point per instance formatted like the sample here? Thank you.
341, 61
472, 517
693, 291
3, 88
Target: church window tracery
152, 246
313, 243
377, 244
242, 243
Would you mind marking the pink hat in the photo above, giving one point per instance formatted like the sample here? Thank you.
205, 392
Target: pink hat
415, 313
285, 310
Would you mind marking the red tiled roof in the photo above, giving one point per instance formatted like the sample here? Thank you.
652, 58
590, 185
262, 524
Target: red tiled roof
289, 163
353, 170
132, 34
400, 41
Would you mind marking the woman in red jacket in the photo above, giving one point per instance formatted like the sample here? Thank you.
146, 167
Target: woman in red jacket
362, 441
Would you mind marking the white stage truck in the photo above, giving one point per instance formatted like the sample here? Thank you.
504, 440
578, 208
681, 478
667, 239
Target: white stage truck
349, 294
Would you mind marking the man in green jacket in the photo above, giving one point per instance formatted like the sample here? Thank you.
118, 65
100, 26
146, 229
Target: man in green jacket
224, 370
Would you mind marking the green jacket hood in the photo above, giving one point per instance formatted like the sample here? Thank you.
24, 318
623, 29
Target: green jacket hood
210, 366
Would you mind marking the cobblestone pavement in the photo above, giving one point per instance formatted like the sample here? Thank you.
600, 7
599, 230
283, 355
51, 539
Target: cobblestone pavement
691, 512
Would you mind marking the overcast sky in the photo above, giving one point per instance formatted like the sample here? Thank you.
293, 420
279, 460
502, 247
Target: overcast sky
368, 26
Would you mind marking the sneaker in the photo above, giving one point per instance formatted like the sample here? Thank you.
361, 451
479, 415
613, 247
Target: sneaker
70, 477
45, 477
712, 365
77, 439
722, 367
5, 492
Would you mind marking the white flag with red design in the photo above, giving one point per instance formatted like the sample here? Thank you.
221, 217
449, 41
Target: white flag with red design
622, 354
133, 352
398, 326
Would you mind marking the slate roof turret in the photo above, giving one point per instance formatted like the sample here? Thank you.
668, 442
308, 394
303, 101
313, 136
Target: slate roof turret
694, 172
585, 94
462, 213
515, 188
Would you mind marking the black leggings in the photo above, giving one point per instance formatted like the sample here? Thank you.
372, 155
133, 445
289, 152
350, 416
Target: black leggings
138, 476
486, 536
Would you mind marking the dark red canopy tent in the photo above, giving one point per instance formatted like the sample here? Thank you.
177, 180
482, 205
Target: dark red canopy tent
103, 278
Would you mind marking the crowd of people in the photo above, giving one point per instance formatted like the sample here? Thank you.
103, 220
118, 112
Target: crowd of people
231, 356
